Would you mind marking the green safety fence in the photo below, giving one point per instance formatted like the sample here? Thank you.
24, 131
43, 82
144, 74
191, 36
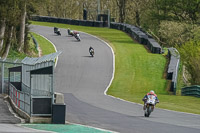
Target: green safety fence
191, 91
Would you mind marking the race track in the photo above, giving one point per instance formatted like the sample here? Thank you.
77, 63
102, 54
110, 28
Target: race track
83, 80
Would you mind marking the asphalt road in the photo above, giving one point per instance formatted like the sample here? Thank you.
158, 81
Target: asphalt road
6, 116
83, 80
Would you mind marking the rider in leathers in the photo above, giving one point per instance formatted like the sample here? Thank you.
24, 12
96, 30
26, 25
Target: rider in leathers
146, 97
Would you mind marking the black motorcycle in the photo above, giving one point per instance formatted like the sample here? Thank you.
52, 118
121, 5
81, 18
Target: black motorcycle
57, 31
91, 52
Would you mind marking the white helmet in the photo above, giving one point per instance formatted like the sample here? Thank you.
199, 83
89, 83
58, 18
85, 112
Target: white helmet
152, 92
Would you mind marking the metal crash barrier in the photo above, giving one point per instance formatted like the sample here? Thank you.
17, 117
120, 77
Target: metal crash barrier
191, 91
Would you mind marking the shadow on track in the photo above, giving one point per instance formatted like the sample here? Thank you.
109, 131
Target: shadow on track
88, 56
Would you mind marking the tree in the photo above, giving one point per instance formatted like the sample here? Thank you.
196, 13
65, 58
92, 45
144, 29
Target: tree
22, 26
2, 22
175, 32
122, 10
8, 42
2, 32
12, 14
13, 24
190, 55
177, 10
137, 10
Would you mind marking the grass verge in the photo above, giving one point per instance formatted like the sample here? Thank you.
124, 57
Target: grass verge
136, 70
45, 46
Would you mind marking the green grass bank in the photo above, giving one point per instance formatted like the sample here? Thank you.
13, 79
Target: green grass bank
136, 70
45, 46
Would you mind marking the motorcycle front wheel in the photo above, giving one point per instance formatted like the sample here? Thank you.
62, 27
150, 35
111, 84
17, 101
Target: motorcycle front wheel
146, 114
147, 111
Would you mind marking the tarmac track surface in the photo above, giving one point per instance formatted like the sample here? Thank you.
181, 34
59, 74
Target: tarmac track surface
83, 80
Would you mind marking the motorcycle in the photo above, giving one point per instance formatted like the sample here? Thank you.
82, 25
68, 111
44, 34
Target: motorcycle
91, 52
149, 105
77, 36
70, 32
57, 31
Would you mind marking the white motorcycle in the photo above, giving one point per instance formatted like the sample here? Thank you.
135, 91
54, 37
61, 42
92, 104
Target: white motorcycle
149, 105
77, 36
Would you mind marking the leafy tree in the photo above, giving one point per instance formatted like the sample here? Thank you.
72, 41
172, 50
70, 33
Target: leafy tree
13, 29
12, 13
190, 55
177, 10
136, 11
22, 26
121, 4
3, 11
175, 32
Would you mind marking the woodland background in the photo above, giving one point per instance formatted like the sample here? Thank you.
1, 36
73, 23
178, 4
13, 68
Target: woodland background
173, 23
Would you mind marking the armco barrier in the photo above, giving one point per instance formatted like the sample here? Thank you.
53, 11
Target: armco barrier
90, 23
173, 67
139, 35
35, 42
98, 24
114, 25
64, 21
68, 21
75, 22
83, 22
191, 91
153, 46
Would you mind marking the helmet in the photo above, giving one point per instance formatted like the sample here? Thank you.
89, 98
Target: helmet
152, 92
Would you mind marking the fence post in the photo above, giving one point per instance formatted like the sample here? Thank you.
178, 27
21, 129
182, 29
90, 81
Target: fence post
2, 77
108, 18
24, 102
